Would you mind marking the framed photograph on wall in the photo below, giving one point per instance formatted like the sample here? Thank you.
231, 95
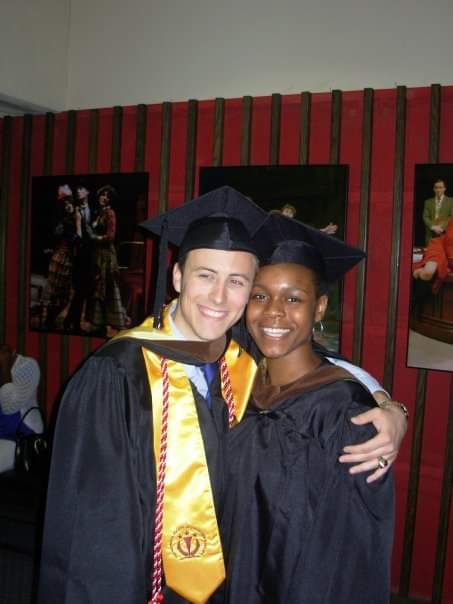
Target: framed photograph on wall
316, 195
87, 255
430, 340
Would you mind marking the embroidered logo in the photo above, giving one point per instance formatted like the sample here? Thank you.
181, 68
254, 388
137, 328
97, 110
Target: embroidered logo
188, 542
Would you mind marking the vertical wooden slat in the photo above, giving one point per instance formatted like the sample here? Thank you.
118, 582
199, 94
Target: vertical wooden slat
48, 144
412, 493
335, 127
87, 342
23, 283
165, 156
304, 145
365, 178
419, 416
400, 132
4, 199
445, 509
71, 141
93, 141
219, 120
140, 137
447, 480
69, 167
165, 141
140, 141
47, 170
191, 149
246, 131
276, 106
117, 124
434, 124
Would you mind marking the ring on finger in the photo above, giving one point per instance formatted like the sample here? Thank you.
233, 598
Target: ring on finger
382, 462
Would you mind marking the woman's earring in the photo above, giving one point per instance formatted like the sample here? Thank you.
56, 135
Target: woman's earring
321, 327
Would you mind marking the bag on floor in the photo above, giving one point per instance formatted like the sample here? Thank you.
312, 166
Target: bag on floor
32, 450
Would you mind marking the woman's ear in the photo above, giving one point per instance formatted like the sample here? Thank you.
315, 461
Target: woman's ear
177, 278
321, 306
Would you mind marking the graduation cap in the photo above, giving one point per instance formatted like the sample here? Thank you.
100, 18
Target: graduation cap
222, 219
284, 240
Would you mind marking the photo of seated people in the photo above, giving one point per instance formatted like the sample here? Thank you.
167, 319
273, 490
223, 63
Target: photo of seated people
87, 254
430, 342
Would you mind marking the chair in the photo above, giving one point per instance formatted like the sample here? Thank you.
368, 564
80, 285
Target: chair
434, 316
22, 503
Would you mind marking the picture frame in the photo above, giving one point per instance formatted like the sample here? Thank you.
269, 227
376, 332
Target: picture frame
430, 333
86, 253
314, 194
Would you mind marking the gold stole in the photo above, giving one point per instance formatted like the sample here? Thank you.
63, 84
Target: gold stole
191, 547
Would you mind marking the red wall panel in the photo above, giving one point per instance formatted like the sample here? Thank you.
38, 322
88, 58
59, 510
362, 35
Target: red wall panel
379, 240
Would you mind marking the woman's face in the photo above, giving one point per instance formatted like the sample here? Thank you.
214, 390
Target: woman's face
68, 206
283, 308
104, 199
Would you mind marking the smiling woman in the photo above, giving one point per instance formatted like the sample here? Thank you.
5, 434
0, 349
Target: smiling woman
284, 306
297, 526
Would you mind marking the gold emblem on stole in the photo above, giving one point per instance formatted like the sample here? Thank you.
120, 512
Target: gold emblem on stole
188, 542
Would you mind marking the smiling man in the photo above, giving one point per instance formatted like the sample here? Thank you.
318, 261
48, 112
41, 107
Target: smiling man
119, 517
213, 287
137, 470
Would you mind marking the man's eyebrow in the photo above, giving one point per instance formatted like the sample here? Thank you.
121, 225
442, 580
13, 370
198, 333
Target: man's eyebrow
204, 268
211, 270
242, 275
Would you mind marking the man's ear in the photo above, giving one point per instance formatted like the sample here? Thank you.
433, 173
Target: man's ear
321, 307
177, 278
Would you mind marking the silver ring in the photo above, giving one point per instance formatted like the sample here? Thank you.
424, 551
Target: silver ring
382, 462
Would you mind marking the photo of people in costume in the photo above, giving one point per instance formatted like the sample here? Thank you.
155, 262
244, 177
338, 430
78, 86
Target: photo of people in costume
315, 195
86, 253
430, 342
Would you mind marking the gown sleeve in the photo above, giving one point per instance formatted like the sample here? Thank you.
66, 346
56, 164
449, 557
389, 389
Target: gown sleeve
297, 526
97, 525
348, 551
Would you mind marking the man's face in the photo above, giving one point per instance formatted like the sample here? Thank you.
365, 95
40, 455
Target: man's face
439, 188
214, 288
82, 194
104, 199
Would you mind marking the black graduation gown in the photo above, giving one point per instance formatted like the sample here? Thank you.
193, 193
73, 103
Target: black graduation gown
98, 530
297, 527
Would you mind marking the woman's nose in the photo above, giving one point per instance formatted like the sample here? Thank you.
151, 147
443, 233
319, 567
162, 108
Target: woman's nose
275, 307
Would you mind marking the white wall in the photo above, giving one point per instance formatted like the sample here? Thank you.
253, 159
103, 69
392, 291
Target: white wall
121, 52
132, 51
33, 51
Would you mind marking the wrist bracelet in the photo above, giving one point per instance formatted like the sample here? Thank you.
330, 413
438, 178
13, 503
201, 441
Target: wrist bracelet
391, 403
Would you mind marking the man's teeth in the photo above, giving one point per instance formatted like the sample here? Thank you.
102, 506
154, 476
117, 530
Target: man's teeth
216, 314
275, 332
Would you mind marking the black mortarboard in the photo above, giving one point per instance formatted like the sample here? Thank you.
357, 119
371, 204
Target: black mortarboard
286, 240
222, 219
